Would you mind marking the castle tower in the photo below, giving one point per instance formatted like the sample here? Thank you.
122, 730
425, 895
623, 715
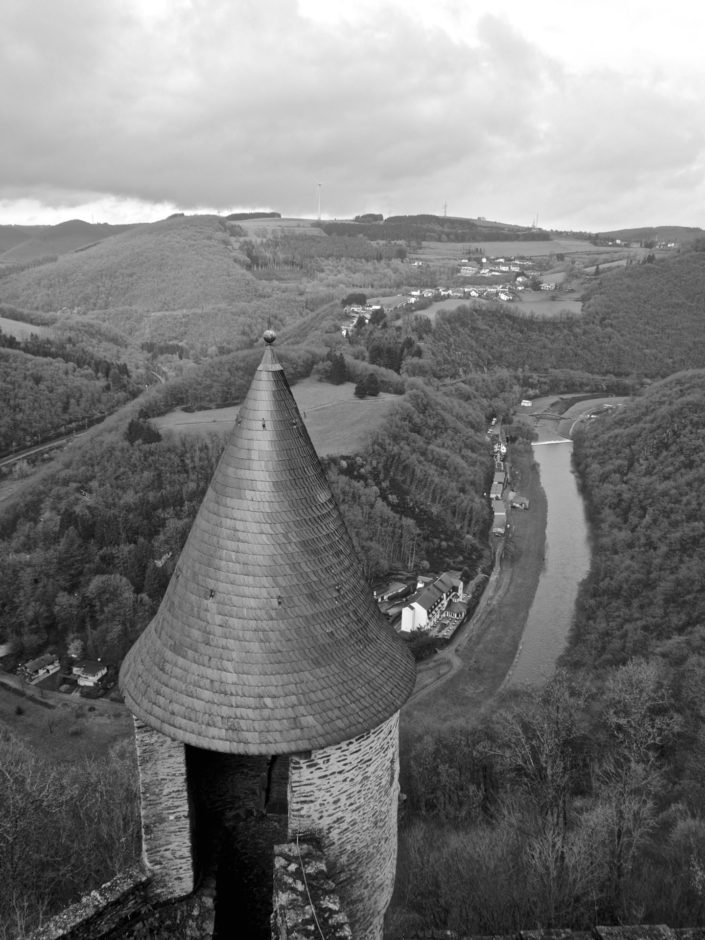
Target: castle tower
266, 691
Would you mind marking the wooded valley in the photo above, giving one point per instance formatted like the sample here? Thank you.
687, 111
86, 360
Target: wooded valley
575, 803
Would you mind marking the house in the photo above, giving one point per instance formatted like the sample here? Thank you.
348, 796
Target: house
89, 672
427, 606
496, 491
499, 522
37, 669
548, 285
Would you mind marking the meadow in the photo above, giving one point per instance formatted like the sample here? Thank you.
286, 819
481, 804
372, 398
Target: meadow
337, 422
537, 304
21, 330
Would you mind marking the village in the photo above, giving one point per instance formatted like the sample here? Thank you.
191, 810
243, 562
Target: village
505, 279
75, 675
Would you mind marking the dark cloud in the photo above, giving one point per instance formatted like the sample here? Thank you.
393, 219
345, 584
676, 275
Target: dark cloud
245, 103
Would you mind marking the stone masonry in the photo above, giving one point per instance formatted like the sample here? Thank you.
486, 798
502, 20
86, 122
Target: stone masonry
346, 796
166, 824
305, 903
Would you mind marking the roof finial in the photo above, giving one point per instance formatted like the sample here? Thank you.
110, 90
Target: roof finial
269, 337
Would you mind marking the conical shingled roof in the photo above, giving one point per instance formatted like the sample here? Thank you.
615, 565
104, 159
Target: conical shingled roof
268, 639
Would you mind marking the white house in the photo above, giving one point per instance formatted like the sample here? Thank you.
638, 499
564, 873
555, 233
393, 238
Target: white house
427, 606
89, 672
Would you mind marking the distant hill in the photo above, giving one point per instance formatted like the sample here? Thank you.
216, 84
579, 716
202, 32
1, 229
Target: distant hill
182, 279
175, 264
12, 235
658, 233
47, 240
435, 228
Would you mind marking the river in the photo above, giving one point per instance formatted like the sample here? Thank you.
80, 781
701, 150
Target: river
566, 561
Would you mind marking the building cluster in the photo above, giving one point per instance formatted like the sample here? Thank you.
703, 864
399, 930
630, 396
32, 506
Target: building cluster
499, 481
83, 674
436, 604
353, 313
433, 605
520, 270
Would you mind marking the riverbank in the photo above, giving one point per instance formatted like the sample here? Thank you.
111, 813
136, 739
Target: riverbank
470, 671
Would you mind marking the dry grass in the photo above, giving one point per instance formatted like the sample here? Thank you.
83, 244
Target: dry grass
72, 729
337, 422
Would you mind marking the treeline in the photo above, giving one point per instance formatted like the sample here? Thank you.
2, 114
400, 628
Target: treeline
224, 381
245, 216
43, 398
418, 228
569, 805
642, 471
303, 253
66, 350
64, 829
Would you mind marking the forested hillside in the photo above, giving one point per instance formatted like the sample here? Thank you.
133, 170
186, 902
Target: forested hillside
583, 802
45, 397
90, 550
176, 264
52, 240
642, 470
644, 320
199, 281
578, 802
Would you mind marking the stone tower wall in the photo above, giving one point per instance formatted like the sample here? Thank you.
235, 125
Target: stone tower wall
166, 825
347, 796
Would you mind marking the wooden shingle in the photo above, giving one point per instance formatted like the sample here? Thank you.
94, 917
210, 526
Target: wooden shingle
268, 639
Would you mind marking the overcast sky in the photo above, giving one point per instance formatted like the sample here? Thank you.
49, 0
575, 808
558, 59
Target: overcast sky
585, 115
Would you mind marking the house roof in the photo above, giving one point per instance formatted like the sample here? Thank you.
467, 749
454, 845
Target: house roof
89, 667
46, 659
268, 639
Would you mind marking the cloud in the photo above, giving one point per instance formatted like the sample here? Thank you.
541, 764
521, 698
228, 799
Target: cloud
197, 103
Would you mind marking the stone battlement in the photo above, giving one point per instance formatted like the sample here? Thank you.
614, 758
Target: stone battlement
305, 903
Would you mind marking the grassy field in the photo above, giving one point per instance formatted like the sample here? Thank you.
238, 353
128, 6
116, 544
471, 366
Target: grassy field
22, 330
531, 304
454, 252
538, 304
337, 422
61, 727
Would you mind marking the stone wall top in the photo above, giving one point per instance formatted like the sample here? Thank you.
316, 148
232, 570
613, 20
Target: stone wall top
101, 910
305, 902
